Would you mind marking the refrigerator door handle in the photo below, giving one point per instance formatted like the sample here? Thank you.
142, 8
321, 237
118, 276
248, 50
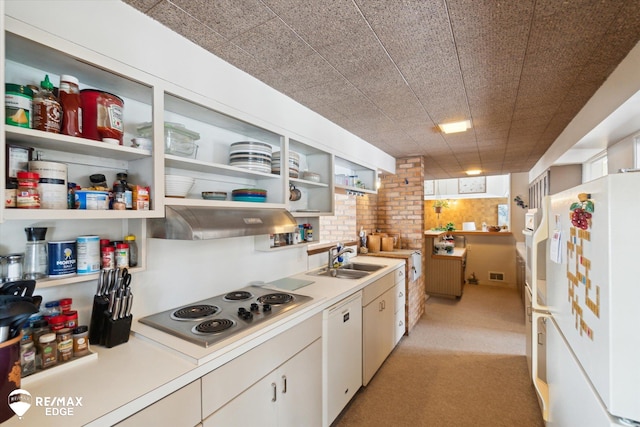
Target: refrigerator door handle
542, 388
540, 236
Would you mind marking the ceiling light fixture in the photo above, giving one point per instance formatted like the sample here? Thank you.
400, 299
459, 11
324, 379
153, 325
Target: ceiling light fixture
473, 172
455, 127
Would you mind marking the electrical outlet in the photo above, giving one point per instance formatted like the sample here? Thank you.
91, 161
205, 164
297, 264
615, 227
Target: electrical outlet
468, 247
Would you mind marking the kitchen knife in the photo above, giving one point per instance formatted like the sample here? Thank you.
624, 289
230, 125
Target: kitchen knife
116, 309
129, 305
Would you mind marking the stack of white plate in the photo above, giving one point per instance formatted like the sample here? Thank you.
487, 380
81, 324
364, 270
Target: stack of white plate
294, 164
251, 155
177, 185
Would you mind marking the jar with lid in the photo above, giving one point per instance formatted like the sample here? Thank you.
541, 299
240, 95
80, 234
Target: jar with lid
108, 254
119, 201
10, 193
46, 108
27, 357
133, 249
71, 196
51, 309
27, 194
13, 267
65, 344
39, 328
48, 350
99, 181
65, 304
71, 319
36, 260
122, 255
121, 178
57, 322
69, 93
80, 341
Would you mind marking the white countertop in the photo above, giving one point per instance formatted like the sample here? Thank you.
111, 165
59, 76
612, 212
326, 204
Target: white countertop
125, 379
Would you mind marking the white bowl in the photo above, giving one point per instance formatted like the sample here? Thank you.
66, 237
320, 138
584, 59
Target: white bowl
177, 186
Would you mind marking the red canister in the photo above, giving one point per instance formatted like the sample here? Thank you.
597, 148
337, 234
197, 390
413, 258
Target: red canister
102, 116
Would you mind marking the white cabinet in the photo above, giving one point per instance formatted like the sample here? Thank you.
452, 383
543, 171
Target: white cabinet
400, 322
351, 176
342, 355
378, 324
317, 192
287, 396
280, 381
181, 408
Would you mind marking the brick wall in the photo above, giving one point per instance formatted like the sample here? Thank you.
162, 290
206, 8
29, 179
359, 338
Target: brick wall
400, 210
342, 226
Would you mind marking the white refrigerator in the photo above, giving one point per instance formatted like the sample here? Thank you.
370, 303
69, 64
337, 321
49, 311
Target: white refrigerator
592, 291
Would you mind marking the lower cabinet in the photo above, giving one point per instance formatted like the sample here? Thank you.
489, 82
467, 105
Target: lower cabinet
288, 396
181, 408
277, 383
378, 324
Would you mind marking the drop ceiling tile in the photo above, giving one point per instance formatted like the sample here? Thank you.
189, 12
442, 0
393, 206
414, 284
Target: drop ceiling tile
229, 18
143, 5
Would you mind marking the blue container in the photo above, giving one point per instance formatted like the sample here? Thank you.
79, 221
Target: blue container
88, 254
62, 258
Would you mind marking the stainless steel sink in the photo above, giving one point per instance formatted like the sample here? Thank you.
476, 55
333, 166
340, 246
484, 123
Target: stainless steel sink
361, 267
339, 273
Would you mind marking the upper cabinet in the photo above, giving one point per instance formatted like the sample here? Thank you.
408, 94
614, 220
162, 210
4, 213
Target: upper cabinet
354, 177
26, 62
229, 155
310, 190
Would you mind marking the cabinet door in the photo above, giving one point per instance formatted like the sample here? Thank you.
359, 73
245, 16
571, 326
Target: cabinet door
378, 330
288, 396
528, 328
400, 303
259, 400
300, 389
164, 412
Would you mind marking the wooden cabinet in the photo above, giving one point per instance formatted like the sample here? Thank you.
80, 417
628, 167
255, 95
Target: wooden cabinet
444, 273
181, 408
378, 324
342, 355
280, 381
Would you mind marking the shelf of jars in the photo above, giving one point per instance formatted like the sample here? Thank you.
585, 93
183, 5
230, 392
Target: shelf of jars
354, 178
76, 278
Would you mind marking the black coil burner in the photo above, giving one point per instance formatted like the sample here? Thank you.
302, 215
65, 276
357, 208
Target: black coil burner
238, 296
213, 326
195, 312
275, 299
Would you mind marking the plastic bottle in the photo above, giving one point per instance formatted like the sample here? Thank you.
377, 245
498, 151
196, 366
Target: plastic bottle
71, 105
122, 255
48, 350
133, 249
47, 112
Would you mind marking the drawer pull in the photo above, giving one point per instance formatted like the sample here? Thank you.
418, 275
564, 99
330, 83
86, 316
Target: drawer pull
284, 384
275, 392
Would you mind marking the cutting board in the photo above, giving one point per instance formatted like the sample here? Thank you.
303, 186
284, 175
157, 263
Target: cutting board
290, 284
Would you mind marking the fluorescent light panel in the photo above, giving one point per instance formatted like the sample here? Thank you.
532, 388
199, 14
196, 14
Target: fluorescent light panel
473, 172
455, 127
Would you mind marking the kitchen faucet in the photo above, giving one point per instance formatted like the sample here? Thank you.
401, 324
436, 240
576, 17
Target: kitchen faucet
338, 252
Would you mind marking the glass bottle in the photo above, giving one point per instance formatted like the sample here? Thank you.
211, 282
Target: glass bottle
36, 260
27, 195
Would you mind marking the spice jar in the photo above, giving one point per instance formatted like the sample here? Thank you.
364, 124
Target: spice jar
80, 341
51, 309
56, 323
133, 249
13, 267
122, 255
10, 193
27, 194
71, 319
27, 357
65, 304
65, 344
69, 93
48, 350
108, 257
39, 328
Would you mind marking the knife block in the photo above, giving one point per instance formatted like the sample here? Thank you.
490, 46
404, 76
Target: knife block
117, 331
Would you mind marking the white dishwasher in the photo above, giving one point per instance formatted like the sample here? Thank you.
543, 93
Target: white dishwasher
342, 355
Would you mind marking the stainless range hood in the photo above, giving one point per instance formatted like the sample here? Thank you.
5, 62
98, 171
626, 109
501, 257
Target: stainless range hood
204, 223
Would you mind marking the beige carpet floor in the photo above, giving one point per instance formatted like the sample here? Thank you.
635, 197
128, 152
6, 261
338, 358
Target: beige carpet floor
462, 365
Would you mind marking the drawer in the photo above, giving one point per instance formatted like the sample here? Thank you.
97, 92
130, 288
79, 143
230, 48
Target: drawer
164, 412
401, 297
400, 325
377, 288
400, 275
